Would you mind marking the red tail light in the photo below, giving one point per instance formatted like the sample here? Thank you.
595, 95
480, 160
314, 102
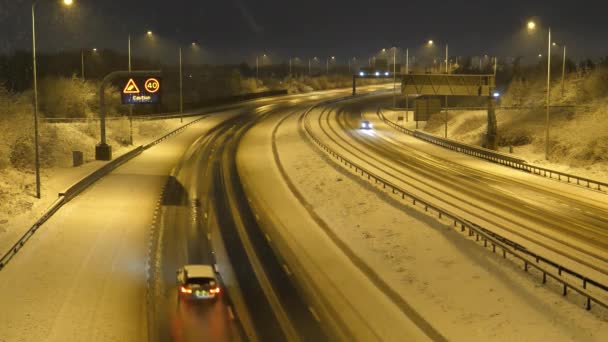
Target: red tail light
185, 289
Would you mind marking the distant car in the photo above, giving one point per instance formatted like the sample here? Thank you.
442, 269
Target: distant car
197, 282
365, 124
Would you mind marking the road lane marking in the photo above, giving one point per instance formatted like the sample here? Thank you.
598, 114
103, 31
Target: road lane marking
230, 312
286, 269
314, 313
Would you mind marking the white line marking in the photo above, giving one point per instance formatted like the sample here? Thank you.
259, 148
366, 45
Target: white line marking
286, 269
268, 238
230, 313
314, 313
209, 236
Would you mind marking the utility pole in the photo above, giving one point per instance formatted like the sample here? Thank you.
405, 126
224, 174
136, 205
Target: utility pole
257, 68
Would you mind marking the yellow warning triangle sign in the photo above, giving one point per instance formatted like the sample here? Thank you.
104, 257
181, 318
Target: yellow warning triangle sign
131, 88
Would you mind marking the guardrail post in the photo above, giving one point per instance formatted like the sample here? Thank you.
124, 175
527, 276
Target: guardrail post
588, 306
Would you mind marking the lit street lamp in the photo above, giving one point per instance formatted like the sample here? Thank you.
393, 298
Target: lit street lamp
563, 66
430, 44
531, 28
149, 35
82, 51
333, 58
36, 147
257, 65
310, 65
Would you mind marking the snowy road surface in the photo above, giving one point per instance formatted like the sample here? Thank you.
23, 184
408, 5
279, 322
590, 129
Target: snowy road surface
463, 290
558, 218
82, 277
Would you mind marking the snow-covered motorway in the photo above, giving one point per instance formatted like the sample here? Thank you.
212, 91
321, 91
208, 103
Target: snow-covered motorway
82, 277
566, 223
559, 219
247, 190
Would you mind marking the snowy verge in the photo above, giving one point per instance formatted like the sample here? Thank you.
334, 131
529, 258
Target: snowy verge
57, 181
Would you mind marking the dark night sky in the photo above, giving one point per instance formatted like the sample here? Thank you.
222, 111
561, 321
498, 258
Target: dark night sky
235, 30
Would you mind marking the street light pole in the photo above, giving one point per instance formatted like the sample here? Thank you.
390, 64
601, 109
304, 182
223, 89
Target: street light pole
36, 148
394, 77
563, 70
446, 97
181, 87
35, 75
446, 59
548, 95
82, 63
407, 71
257, 68
130, 106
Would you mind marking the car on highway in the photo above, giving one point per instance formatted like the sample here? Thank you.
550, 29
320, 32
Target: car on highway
197, 282
365, 124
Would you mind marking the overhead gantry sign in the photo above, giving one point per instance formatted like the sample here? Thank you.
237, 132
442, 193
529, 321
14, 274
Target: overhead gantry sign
456, 85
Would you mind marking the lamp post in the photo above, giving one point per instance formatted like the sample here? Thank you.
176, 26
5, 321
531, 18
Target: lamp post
35, 75
130, 106
82, 64
446, 97
181, 87
257, 66
532, 27
333, 58
394, 48
407, 71
309, 70
563, 66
